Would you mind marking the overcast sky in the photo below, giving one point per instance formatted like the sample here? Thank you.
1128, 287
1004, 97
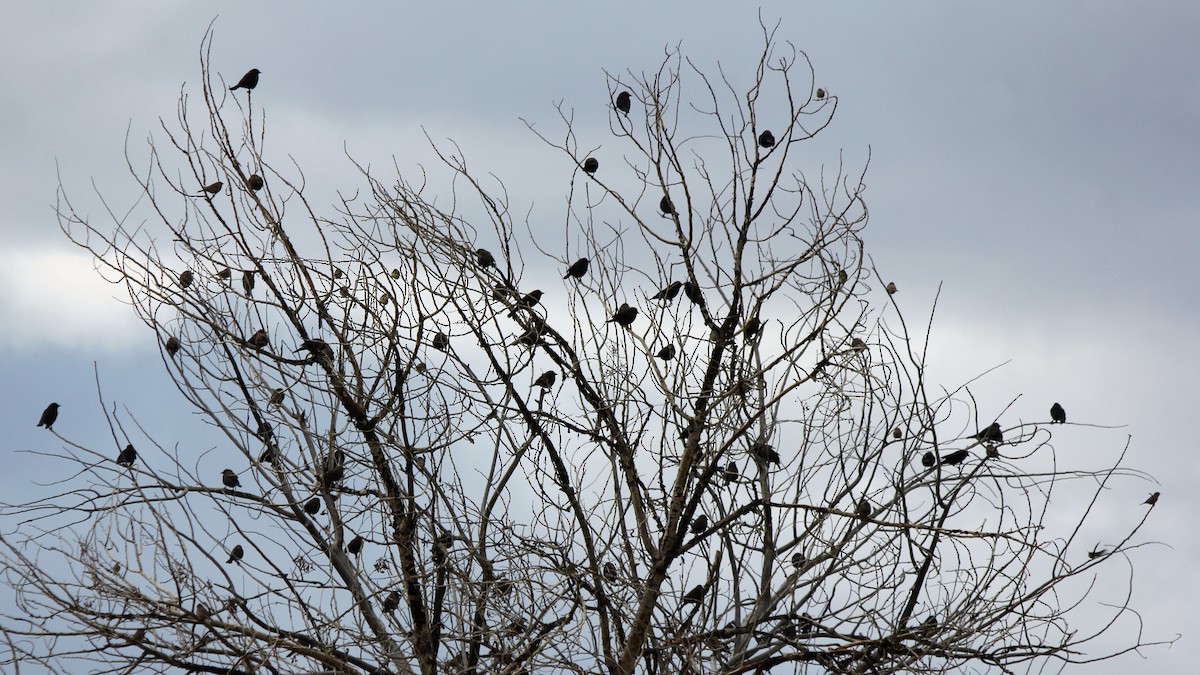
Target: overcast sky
1038, 160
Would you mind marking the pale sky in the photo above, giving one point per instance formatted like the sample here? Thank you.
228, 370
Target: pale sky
1038, 160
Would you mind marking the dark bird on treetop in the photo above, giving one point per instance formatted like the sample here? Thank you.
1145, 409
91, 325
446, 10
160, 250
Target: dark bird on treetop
48, 416
440, 342
693, 293
355, 545
531, 338
391, 602
248, 81
928, 460
172, 345
666, 353
248, 281
259, 339
484, 258
527, 301
546, 379
897, 434
891, 288
577, 269
820, 94
752, 327
1097, 553
127, 456
730, 473
213, 188
695, 595
319, 349
255, 182
1057, 414
229, 479
955, 457
501, 291
590, 165
700, 524
623, 102
236, 554
185, 278
313, 507
224, 274
666, 206
762, 451
766, 139
1152, 499
864, 509
992, 434
625, 315
668, 294
276, 397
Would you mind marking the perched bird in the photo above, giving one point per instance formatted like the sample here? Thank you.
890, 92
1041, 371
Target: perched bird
766, 139
864, 509
1057, 414
666, 206
270, 454
891, 288
255, 182
484, 258
127, 456
693, 293
248, 81
1152, 499
224, 274
264, 431
355, 545
546, 379
992, 434
730, 473
752, 327
313, 506
391, 602
666, 353
440, 342
857, 344
610, 572
623, 102
897, 434
763, 452
695, 595
185, 278
668, 294
590, 165
229, 479
820, 94
928, 460
236, 554
276, 397
259, 339
172, 345
501, 291
319, 350
248, 282
333, 469
699, 524
531, 338
1097, 553
624, 316
577, 269
955, 457
527, 301
798, 559
213, 188
48, 416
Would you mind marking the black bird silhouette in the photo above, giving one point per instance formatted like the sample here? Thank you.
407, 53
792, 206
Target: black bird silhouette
127, 456
440, 342
236, 554
48, 416
1057, 414
955, 457
248, 282
276, 397
1152, 499
623, 102
590, 165
695, 595
700, 524
897, 434
213, 188
610, 572
577, 269
693, 293
224, 274
668, 294
248, 81
531, 338
229, 479
820, 94
624, 316
798, 559
270, 454
484, 258
355, 545
928, 460
319, 351
313, 507
501, 291
763, 452
666, 353
766, 139
1097, 553
255, 182
992, 434
730, 473
752, 327
185, 278
259, 339
333, 469
172, 346
527, 301
546, 379
666, 206
391, 602
864, 509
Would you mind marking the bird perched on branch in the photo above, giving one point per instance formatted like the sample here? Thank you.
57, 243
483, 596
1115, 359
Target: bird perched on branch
1152, 499
730, 473
891, 288
248, 81
527, 301
213, 188
928, 460
590, 165
172, 345
255, 182
229, 479
546, 379
668, 294
440, 342
355, 545
666, 353
313, 507
955, 457
700, 524
127, 457
248, 282
666, 206
577, 269
992, 434
185, 278
484, 258
236, 554
259, 340
623, 102
763, 452
624, 315
752, 327
766, 139
695, 595
864, 509
49, 415
391, 602
693, 293
1058, 415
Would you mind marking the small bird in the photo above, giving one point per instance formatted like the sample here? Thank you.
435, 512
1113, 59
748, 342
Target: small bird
928, 460
699, 524
255, 182
546, 379
127, 457
1152, 499
610, 572
798, 559
172, 346
820, 94
858, 345
1057, 414
695, 595
319, 350
236, 554
864, 509
666, 353
693, 293
185, 278
248, 81
259, 339
264, 431
590, 165
668, 294
313, 507
891, 288
992, 434
248, 282
270, 454
276, 397
213, 188
484, 258
229, 479
355, 545
752, 327
531, 338
391, 602
897, 434
666, 206
577, 269
766, 139
224, 274
624, 315
731, 473
528, 300
764, 452
623, 102
1097, 553
49, 415
955, 457
440, 342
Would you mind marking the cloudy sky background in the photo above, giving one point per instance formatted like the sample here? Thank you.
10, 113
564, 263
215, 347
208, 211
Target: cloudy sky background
1038, 160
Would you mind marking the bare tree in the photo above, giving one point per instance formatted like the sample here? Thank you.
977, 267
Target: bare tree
711, 447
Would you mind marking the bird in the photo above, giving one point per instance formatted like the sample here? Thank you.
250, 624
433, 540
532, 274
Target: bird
1057, 414
610, 572
897, 434
527, 301
185, 278
484, 258
49, 415
590, 165
213, 188
1152, 499
236, 554
319, 350
248, 281
891, 288
693, 293
1097, 553
955, 457
624, 316
255, 182
762, 451
355, 545
992, 434
666, 206
440, 342
798, 559
577, 269
623, 102
127, 456
531, 338
276, 397
259, 339
730, 473
172, 345
229, 479
668, 293
546, 379
224, 274
666, 353
858, 345
863, 509
391, 602
270, 454
695, 595
313, 506
766, 139
700, 524
820, 94
248, 81
928, 460
752, 327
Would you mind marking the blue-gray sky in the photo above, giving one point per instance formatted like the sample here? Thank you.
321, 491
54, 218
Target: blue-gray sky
1039, 160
